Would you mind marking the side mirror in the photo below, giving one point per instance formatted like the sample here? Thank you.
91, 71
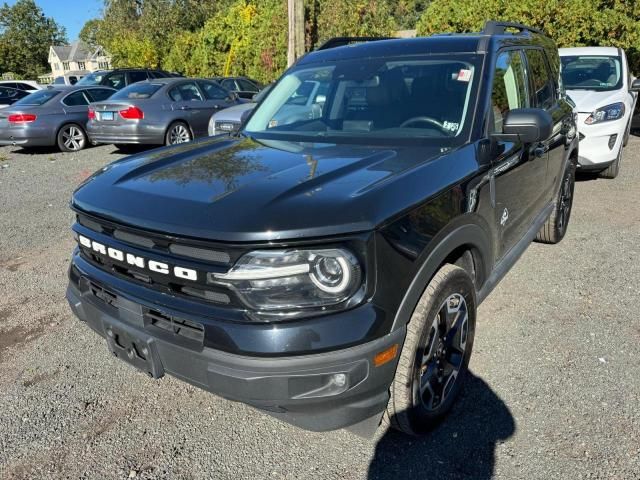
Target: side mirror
635, 85
529, 125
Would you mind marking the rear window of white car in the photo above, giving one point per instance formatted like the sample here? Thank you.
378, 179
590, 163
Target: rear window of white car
137, 91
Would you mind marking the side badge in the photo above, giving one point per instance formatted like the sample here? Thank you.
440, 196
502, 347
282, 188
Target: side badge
505, 217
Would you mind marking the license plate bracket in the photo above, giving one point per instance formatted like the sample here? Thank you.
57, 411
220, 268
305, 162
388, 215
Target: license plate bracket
134, 349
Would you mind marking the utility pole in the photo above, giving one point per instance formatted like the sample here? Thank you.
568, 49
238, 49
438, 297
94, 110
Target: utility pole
295, 10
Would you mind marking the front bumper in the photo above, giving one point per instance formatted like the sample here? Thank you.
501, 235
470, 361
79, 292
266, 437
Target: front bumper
322, 391
594, 152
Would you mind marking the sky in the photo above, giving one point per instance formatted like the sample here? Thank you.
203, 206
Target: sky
71, 14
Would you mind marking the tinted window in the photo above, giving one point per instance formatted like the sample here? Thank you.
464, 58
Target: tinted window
99, 94
9, 84
541, 82
137, 76
73, 80
75, 99
38, 98
24, 86
213, 91
157, 74
59, 81
229, 84
185, 92
587, 72
115, 80
137, 90
246, 85
509, 86
10, 95
92, 79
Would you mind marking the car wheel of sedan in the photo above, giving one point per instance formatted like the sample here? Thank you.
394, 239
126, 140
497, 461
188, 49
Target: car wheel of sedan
71, 138
177, 133
436, 352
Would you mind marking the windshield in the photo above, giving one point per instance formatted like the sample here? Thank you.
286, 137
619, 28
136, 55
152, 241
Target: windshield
92, 79
137, 90
584, 72
38, 98
386, 99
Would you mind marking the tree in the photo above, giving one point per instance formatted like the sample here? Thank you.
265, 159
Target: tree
25, 37
569, 22
89, 32
360, 18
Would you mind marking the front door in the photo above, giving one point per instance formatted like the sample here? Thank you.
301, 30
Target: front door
519, 170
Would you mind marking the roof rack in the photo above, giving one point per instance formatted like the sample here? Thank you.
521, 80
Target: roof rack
498, 28
342, 41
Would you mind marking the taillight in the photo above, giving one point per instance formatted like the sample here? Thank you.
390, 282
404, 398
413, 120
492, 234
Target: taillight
92, 114
21, 118
132, 113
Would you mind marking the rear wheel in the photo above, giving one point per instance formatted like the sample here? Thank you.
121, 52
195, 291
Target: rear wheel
556, 226
436, 352
613, 170
71, 138
177, 132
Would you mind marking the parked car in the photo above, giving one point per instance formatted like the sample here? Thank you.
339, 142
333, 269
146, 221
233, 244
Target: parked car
69, 78
164, 111
244, 87
230, 119
121, 77
53, 116
26, 85
328, 271
598, 80
9, 96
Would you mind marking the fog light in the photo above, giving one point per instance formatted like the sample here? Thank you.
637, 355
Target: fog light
612, 141
340, 379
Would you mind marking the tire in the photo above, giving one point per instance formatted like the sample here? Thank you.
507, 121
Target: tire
178, 132
613, 170
555, 228
448, 299
71, 138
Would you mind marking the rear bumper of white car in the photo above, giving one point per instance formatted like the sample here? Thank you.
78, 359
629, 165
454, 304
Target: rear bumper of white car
600, 143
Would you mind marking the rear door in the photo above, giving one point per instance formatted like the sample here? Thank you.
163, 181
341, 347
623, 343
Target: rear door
189, 100
518, 169
76, 106
216, 99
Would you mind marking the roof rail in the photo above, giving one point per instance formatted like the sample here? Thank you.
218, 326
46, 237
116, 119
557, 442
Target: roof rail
342, 41
497, 28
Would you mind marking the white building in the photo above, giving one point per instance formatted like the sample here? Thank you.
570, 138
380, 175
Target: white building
75, 59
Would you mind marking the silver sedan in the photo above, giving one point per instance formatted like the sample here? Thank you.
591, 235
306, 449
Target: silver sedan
162, 111
49, 117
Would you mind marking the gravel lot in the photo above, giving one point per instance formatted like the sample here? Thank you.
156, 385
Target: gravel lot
554, 393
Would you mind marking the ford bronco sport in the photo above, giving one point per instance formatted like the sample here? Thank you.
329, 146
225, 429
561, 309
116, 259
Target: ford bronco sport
327, 269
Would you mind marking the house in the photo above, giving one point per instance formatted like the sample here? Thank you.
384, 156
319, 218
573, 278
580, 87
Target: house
76, 58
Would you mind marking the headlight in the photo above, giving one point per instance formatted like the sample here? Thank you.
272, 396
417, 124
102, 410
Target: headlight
614, 111
287, 281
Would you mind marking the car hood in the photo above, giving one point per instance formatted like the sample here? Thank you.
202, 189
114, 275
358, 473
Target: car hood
589, 100
239, 189
233, 114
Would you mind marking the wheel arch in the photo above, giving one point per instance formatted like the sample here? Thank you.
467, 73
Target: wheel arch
179, 120
467, 246
63, 124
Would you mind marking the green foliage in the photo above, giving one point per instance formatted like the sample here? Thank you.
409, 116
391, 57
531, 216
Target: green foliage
569, 22
89, 32
25, 37
360, 18
408, 12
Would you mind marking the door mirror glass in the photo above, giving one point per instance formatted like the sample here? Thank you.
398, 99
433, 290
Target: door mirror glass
528, 125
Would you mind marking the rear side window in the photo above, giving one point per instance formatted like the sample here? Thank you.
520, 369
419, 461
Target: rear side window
185, 92
247, 85
137, 76
157, 74
75, 99
137, 90
213, 91
115, 80
509, 87
38, 98
541, 82
24, 86
229, 84
12, 94
99, 94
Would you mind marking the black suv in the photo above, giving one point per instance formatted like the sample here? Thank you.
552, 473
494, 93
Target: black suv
121, 77
325, 264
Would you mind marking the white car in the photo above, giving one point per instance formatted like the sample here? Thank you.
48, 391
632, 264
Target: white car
26, 85
598, 80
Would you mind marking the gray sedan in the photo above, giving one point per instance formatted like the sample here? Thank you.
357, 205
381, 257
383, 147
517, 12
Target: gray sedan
162, 111
53, 116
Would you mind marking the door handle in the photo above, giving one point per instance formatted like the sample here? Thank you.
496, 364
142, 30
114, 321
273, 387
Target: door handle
185, 107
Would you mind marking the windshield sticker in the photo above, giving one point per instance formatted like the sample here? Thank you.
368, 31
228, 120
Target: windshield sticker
451, 126
464, 75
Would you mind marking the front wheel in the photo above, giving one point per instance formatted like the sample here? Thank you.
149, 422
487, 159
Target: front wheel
556, 225
436, 352
71, 138
613, 170
177, 132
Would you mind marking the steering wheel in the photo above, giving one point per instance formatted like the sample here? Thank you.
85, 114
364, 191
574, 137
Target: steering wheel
425, 119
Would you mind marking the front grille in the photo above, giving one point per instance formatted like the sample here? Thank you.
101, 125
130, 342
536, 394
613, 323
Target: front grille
178, 327
196, 256
226, 126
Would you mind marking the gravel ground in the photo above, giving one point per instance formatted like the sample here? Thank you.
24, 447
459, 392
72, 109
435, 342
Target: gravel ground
554, 392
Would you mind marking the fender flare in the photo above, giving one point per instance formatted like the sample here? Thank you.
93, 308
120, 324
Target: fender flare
469, 234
